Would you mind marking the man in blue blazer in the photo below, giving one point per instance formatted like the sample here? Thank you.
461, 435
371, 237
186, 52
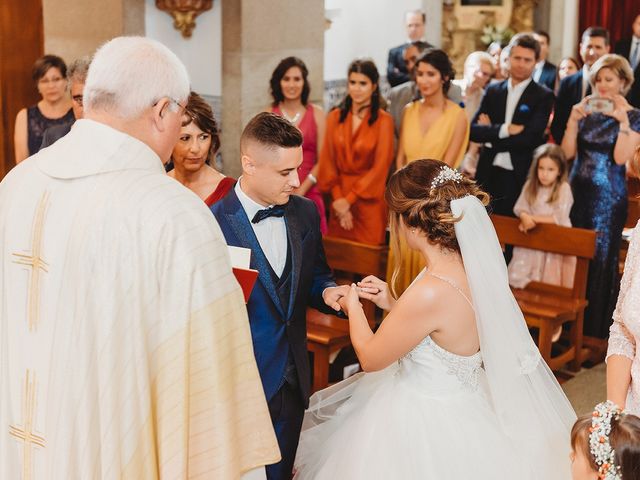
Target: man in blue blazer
283, 232
510, 124
629, 48
593, 44
397, 72
545, 71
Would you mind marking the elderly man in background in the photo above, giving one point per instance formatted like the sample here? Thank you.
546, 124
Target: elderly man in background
397, 71
125, 349
76, 76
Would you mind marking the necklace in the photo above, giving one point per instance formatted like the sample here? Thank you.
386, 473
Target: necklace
293, 119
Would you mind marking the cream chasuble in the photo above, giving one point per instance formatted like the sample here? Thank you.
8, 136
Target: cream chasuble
125, 350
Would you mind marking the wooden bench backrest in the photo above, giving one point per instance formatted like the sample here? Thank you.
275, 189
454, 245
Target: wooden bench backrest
356, 258
547, 237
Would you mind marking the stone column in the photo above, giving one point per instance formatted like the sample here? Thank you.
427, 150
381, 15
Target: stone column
75, 28
433, 9
256, 35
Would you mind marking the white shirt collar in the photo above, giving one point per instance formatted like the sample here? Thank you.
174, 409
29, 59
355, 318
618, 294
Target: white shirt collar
586, 71
519, 88
250, 206
540, 64
635, 39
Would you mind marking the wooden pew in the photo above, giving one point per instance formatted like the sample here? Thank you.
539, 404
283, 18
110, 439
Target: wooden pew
327, 334
545, 307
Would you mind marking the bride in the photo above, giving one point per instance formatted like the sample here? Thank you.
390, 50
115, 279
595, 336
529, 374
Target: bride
454, 388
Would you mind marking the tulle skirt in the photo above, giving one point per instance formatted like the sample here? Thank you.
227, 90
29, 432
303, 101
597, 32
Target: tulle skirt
381, 426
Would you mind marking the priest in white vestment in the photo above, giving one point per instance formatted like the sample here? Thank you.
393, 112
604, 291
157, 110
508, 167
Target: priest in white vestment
125, 350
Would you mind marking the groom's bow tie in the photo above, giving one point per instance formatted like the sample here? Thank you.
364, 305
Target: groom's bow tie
275, 211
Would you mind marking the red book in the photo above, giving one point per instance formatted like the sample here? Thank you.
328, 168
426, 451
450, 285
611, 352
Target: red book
247, 279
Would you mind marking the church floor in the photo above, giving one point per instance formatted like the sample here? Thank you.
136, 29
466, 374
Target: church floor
587, 388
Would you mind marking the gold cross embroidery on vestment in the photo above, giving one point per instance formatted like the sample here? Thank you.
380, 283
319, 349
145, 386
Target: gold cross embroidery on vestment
25, 433
35, 262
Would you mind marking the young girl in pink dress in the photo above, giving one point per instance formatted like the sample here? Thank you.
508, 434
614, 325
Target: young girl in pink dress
545, 198
290, 91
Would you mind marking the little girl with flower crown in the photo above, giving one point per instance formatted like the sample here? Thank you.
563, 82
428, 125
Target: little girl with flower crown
545, 198
605, 445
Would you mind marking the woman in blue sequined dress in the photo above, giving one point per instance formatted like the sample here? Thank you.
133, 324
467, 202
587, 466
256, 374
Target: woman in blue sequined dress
602, 143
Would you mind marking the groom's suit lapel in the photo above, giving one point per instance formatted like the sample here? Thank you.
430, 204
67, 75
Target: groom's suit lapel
294, 235
237, 218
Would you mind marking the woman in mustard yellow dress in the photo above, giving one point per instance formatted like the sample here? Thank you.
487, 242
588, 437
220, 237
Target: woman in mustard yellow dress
433, 127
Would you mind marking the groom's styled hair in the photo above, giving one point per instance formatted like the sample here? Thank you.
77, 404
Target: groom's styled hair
271, 131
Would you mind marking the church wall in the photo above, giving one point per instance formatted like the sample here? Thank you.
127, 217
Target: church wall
75, 28
201, 54
368, 28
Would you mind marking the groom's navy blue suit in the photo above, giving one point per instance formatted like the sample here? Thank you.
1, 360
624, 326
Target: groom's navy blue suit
277, 313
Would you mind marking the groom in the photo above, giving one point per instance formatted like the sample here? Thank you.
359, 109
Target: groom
283, 232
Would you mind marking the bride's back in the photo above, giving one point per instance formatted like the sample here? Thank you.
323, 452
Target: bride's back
449, 316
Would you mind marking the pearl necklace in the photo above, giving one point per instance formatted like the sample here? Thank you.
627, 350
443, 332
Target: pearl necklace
293, 119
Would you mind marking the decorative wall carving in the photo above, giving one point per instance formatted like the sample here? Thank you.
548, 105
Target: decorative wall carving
184, 13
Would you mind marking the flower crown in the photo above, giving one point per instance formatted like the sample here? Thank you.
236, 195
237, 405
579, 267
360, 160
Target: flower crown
446, 174
599, 445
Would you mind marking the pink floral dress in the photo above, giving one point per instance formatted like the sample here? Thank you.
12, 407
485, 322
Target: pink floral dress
536, 266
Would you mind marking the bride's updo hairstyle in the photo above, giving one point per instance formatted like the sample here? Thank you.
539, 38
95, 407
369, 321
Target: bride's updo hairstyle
419, 195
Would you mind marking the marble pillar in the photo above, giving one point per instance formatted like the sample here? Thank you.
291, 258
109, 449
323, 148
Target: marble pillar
75, 28
256, 35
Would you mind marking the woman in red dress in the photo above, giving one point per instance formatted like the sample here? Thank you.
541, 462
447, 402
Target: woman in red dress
197, 145
290, 91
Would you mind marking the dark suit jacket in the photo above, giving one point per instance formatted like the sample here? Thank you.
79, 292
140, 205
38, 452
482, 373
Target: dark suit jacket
623, 47
54, 133
548, 76
532, 111
274, 331
396, 68
569, 93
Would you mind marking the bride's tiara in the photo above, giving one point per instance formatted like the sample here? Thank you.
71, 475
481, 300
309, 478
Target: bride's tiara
599, 444
447, 174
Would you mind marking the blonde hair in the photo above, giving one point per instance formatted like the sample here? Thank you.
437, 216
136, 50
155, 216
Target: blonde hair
618, 65
554, 153
413, 202
478, 58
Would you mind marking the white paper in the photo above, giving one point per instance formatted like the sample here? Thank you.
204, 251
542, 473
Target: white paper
240, 257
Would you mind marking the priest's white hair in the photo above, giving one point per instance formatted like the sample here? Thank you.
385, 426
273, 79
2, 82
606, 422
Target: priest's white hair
130, 74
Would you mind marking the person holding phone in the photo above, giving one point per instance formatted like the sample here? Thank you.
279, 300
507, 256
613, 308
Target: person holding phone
602, 134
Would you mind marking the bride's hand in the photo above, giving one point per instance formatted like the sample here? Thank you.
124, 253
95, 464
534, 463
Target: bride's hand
351, 301
376, 290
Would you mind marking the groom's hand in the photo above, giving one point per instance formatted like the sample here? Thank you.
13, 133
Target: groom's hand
332, 295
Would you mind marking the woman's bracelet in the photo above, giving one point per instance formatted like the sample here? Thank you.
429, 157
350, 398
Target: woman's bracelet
312, 178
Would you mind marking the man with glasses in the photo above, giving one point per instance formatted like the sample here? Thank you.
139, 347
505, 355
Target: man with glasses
77, 76
125, 349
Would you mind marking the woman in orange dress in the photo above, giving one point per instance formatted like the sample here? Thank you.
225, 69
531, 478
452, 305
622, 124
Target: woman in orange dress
355, 159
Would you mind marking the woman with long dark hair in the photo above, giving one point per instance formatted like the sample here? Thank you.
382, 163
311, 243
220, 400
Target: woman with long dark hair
432, 127
355, 159
290, 91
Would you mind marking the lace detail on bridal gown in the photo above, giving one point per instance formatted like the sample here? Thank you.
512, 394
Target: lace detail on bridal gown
466, 369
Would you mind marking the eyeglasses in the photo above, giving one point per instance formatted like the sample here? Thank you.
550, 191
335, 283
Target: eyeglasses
77, 99
46, 81
173, 100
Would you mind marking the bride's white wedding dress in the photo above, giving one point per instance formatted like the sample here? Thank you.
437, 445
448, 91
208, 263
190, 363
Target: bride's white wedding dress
498, 414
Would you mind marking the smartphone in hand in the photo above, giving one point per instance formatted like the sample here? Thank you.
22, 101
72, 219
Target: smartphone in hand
600, 105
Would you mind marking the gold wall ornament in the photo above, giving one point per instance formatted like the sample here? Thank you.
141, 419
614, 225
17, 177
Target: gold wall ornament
184, 13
